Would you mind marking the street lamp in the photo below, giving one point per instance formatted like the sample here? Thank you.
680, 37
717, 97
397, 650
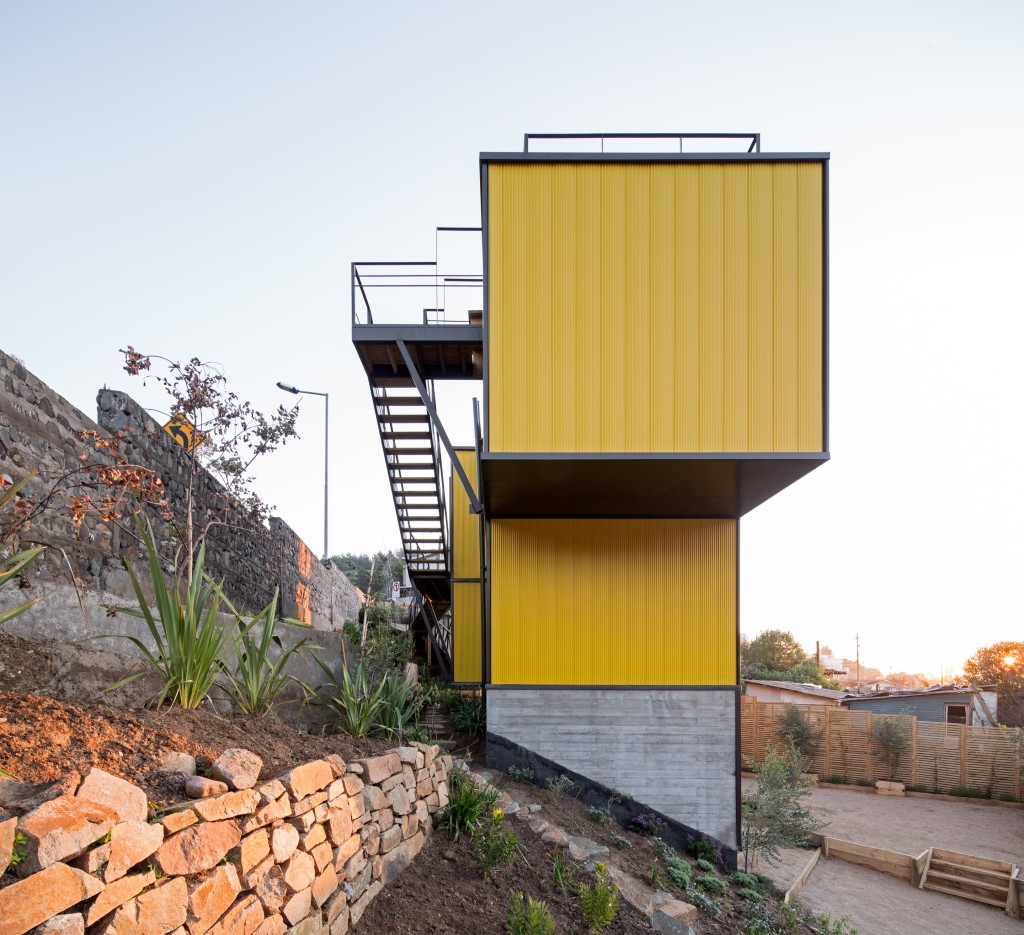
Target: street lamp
291, 389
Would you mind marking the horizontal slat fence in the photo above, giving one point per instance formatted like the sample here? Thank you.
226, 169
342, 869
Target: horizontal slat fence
942, 757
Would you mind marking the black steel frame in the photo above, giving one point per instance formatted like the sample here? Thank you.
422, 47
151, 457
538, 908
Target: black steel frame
755, 138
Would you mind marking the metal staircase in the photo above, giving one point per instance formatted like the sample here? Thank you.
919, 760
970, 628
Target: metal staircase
403, 355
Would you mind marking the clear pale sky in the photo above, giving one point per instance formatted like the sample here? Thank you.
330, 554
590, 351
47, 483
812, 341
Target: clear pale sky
195, 178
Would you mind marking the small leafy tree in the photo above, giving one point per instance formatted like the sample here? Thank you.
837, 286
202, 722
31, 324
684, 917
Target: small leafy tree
774, 815
890, 739
233, 434
799, 731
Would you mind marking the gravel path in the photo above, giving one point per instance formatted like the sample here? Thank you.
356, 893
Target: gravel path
881, 905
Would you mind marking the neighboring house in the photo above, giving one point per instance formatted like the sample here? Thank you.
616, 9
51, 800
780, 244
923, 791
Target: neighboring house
792, 692
943, 704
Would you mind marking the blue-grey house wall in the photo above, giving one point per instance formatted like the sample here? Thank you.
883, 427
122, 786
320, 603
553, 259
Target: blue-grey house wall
924, 708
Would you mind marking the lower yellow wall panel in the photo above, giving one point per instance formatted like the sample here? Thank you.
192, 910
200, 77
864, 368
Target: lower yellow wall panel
466, 636
613, 602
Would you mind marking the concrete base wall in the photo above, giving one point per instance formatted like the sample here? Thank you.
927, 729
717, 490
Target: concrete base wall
671, 749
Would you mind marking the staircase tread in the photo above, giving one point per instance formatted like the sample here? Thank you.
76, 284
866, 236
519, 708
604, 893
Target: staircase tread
967, 882
964, 868
999, 904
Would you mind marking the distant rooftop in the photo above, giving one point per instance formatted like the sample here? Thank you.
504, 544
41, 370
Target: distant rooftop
807, 689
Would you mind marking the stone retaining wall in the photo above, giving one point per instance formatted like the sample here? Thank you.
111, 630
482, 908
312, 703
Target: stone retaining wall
38, 432
302, 854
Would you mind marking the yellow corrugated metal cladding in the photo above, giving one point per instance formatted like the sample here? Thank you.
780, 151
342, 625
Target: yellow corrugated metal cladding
465, 564
466, 623
613, 601
669, 307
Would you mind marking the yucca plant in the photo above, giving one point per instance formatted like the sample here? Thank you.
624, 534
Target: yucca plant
258, 680
12, 565
190, 644
357, 706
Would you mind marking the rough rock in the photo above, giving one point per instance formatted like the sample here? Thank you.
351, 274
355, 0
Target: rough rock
584, 849
229, 805
62, 828
272, 890
211, 896
307, 779
177, 762
297, 908
397, 860
30, 902
200, 847
119, 795
130, 843
674, 918
299, 872
177, 821
272, 925
199, 787
241, 919
283, 842
324, 885
237, 767
164, 908
70, 924
118, 893
555, 836
253, 850
378, 768
7, 831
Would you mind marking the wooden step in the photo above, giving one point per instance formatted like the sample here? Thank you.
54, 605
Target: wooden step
998, 903
388, 382
982, 874
407, 436
408, 451
971, 860
951, 879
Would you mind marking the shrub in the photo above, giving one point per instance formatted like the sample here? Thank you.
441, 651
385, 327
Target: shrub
969, 792
531, 918
711, 883
520, 773
649, 824
750, 894
774, 816
829, 926
620, 841
563, 785
657, 878
838, 779
190, 644
744, 879
705, 903
799, 731
707, 849
467, 713
467, 804
601, 815
257, 681
494, 847
600, 902
705, 865
679, 872
890, 739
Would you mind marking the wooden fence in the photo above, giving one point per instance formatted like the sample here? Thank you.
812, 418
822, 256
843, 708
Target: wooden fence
941, 757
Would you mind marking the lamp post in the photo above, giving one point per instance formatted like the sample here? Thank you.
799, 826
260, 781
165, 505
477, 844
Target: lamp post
291, 389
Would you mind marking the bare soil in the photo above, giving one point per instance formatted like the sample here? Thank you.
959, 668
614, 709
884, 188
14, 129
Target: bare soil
881, 905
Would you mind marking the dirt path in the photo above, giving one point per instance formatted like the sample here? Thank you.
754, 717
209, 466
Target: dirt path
881, 905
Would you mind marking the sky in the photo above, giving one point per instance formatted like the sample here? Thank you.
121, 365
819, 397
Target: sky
194, 179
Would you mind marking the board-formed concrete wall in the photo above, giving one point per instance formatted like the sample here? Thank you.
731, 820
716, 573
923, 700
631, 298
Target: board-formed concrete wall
671, 749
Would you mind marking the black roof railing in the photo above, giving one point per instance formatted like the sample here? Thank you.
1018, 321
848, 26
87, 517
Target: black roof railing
754, 138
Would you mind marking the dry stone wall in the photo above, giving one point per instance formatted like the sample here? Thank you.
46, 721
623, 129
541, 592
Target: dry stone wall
303, 854
39, 431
